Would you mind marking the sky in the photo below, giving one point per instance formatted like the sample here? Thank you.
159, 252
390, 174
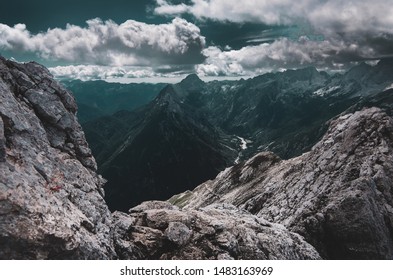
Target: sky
168, 39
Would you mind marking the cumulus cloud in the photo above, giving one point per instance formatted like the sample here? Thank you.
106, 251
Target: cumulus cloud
270, 12
281, 54
120, 73
328, 34
349, 15
330, 18
107, 43
165, 8
97, 72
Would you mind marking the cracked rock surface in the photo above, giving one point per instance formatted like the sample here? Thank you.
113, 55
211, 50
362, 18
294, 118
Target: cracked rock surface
51, 199
338, 195
160, 230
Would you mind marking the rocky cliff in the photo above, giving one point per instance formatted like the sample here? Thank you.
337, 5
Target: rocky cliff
338, 195
51, 199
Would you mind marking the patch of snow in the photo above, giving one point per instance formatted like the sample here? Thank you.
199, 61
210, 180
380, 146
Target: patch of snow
243, 145
225, 88
345, 117
265, 147
389, 87
325, 91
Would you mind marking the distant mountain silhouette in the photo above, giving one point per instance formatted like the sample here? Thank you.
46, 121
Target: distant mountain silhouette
193, 129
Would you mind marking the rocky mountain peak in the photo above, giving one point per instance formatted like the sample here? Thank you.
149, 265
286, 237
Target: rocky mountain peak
357, 72
338, 195
169, 98
192, 83
386, 62
306, 73
372, 76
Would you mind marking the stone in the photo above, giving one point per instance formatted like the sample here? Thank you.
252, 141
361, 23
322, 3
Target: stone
51, 203
337, 195
219, 231
178, 233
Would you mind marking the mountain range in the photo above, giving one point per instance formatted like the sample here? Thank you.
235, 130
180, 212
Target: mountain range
333, 201
98, 98
193, 130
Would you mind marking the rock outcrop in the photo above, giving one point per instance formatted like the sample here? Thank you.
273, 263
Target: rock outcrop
51, 199
338, 195
159, 230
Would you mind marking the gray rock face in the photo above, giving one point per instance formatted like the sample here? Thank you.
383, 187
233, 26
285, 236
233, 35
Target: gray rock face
51, 199
155, 230
338, 196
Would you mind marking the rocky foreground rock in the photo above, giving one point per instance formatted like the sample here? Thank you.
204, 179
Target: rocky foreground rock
51, 199
337, 197
160, 230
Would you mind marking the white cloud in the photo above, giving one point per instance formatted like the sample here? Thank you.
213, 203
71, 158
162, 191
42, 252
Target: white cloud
165, 8
96, 72
107, 43
118, 73
358, 22
343, 14
270, 12
281, 54
329, 34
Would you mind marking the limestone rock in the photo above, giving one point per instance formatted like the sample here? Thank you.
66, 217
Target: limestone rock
338, 196
218, 231
51, 199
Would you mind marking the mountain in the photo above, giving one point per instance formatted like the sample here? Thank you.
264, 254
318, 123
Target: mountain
286, 112
223, 123
338, 195
334, 201
100, 98
168, 148
51, 198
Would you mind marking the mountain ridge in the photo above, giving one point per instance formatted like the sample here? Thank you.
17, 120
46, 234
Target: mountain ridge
169, 146
283, 112
333, 202
336, 196
51, 198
